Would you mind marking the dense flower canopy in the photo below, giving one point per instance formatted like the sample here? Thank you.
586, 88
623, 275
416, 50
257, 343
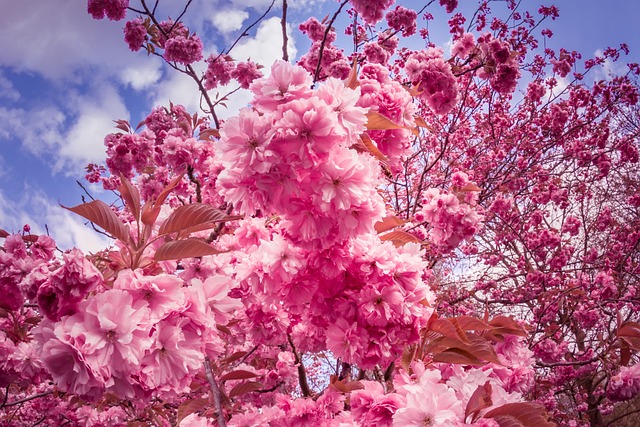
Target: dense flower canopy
381, 236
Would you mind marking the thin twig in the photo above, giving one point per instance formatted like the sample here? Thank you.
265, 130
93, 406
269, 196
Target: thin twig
245, 32
195, 181
285, 38
215, 392
85, 190
26, 399
316, 76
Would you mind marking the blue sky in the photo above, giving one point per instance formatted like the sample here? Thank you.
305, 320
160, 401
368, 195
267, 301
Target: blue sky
64, 77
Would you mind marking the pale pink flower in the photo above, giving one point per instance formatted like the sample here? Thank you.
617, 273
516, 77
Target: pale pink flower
246, 142
175, 356
62, 356
163, 293
285, 83
195, 420
116, 328
434, 405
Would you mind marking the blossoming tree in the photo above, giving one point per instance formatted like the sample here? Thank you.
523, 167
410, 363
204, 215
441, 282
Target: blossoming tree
382, 236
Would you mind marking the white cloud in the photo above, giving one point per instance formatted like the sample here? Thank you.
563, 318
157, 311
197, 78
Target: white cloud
266, 46
55, 39
72, 134
609, 68
37, 210
142, 76
7, 91
38, 130
83, 142
229, 20
179, 89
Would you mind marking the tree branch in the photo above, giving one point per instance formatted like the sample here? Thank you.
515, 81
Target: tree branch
285, 38
215, 393
302, 374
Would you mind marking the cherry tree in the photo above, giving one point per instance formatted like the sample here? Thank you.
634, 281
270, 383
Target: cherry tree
384, 236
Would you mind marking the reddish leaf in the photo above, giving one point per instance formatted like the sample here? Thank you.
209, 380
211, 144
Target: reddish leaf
470, 187
420, 122
123, 125
194, 217
3, 233
447, 328
625, 354
479, 400
408, 354
99, 213
131, 196
235, 356
507, 421
372, 149
457, 356
503, 325
469, 323
151, 211
376, 121
630, 333
190, 406
345, 386
388, 223
400, 238
245, 387
352, 80
238, 375
181, 249
477, 352
526, 413
209, 134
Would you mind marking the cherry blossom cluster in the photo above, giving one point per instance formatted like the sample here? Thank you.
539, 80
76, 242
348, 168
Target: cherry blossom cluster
371, 11
290, 154
626, 384
381, 94
433, 78
499, 64
115, 10
306, 315
451, 217
372, 298
145, 334
402, 19
323, 56
221, 69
